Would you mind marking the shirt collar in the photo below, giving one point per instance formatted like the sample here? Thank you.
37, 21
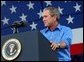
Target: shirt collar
57, 28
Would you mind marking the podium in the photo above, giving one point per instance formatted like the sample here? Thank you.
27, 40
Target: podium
34, 47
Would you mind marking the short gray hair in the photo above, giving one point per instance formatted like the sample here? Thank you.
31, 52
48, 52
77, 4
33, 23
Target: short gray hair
53, 11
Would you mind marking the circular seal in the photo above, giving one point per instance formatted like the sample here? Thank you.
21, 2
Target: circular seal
11, 49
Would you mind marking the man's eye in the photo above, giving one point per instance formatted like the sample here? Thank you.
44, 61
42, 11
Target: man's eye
45, 16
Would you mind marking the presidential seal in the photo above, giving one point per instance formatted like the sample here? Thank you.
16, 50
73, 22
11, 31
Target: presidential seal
11, 49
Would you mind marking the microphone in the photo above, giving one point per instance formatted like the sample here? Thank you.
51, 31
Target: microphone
18, 24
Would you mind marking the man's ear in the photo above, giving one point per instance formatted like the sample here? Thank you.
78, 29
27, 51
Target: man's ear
55, 17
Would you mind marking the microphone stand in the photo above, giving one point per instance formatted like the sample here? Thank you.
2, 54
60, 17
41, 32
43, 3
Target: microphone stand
15, 30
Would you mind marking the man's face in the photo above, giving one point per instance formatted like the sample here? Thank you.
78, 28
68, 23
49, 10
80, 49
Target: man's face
47, 18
